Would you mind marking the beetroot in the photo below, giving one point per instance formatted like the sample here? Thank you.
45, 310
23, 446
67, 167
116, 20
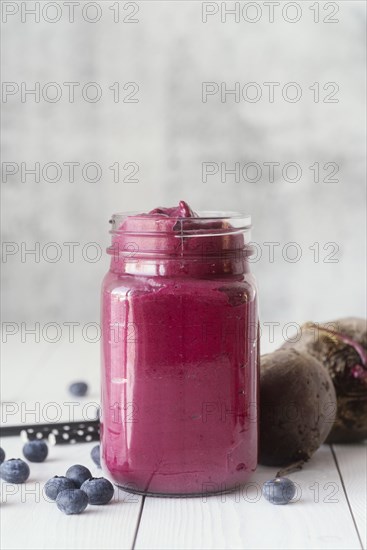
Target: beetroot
297, 407
341, 347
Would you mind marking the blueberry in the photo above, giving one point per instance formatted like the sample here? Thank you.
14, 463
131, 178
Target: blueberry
279, 490
78, 474
57, 484
2, 455
72, 501
35, 451
14, 470
96, 455
78, 389
98, 489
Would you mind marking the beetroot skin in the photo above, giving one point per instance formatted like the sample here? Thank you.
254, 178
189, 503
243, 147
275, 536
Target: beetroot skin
341, 347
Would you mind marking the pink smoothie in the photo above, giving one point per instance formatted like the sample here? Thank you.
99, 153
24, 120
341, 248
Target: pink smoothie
179, 355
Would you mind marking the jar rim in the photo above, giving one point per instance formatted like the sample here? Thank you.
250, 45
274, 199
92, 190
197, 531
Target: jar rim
237, 221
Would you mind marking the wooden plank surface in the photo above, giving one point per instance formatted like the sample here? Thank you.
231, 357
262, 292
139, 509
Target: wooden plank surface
352, 463
29, 520
37, 375
330, 514
320, 519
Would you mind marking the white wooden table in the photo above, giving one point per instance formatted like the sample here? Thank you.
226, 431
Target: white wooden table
331, 511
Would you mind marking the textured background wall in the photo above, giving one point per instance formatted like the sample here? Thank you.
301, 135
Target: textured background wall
170, 132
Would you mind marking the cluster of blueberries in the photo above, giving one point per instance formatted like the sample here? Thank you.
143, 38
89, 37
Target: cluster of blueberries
72, 492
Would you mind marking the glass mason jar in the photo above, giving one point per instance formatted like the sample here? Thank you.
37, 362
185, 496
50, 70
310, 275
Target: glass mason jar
179, 354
